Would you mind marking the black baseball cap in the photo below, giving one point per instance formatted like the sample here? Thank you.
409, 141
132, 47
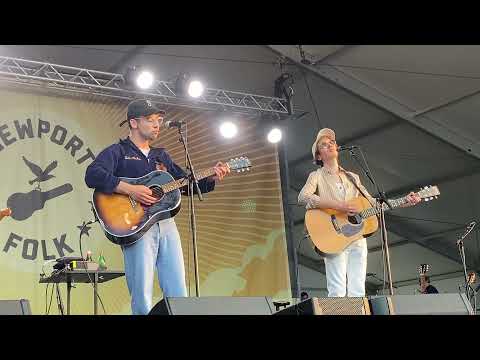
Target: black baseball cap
141, 107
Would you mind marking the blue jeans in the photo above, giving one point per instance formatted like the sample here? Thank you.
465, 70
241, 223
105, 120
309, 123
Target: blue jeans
159, 247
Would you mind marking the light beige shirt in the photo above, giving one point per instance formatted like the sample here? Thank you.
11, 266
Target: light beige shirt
322, 185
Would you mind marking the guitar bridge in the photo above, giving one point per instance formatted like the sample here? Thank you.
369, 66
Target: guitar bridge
132, 202
335, 224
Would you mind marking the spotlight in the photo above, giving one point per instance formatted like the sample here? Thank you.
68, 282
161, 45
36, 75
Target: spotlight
274, 135
195, 88
138, 77
228, 129
186, 85
145, 80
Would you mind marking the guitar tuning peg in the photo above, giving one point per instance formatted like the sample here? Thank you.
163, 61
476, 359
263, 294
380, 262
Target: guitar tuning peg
248, 169
436, 197
426, 199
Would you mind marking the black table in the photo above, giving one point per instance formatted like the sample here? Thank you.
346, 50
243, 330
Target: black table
82, 276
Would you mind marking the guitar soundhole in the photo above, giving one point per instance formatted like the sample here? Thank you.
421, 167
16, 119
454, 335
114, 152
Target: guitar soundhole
157, 192
355, 219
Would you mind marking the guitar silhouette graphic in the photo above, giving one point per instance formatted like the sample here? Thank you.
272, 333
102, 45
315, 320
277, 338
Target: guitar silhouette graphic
23, 205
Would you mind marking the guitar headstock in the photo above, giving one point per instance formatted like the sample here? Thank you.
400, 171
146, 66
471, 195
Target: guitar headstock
240, 164
429, 193
423, 269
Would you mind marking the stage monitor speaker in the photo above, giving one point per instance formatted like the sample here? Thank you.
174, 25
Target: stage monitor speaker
214, 305
15, 307
329, 306
428, 304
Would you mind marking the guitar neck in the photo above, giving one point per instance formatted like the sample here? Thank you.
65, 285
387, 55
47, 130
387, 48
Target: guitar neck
177, 184
375, 211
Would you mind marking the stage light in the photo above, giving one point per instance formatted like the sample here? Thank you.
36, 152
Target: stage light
195, 88
188, 85
228, 129
138, 77
274, 135
145, 80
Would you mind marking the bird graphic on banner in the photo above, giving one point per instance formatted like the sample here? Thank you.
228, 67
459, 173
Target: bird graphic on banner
41, 175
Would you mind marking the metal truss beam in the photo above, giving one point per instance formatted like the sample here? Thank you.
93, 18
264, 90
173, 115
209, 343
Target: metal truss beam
113, 85
386, 102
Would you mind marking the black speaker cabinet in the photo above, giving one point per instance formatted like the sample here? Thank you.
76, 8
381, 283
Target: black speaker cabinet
15, 307
329, 306
428, 304
214, 305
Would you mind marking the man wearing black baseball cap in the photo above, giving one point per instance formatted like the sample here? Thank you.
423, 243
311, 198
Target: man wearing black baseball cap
141, 107
160, 246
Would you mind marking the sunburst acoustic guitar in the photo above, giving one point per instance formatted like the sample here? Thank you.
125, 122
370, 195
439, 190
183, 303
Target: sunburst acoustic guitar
125, 220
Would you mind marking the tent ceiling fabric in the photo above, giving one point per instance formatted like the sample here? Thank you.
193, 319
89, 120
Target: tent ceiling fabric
435, 82
438, 82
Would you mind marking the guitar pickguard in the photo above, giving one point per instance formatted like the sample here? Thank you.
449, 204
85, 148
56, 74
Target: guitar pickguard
351, 229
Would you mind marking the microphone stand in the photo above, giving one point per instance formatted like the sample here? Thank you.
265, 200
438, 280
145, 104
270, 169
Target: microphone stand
461, 250
381, 200
192, 181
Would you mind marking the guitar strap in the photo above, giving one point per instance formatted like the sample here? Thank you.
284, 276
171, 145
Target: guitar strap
352, 179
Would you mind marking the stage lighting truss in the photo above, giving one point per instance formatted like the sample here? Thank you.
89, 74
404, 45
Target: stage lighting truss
68, 78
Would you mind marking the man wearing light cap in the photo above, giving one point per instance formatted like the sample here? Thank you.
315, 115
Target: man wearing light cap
329, 187
160, 246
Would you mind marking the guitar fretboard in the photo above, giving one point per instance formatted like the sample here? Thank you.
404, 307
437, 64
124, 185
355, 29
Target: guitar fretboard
177, 184
375, 210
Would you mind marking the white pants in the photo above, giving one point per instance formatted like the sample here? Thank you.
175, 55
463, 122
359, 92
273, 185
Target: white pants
346, 271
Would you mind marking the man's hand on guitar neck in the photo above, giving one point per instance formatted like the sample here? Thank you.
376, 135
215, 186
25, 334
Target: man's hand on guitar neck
221, 170
412, 199
139, 193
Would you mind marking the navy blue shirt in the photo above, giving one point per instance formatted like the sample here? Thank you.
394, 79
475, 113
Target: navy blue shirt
125, 159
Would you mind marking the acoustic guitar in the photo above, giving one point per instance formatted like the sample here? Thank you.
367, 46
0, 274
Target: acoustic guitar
125, 220
332, 231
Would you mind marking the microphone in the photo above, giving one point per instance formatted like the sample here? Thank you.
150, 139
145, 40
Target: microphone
471, 225
173, 124
344, 147
469, 229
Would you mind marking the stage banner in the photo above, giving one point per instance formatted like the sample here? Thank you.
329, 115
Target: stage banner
47, 140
